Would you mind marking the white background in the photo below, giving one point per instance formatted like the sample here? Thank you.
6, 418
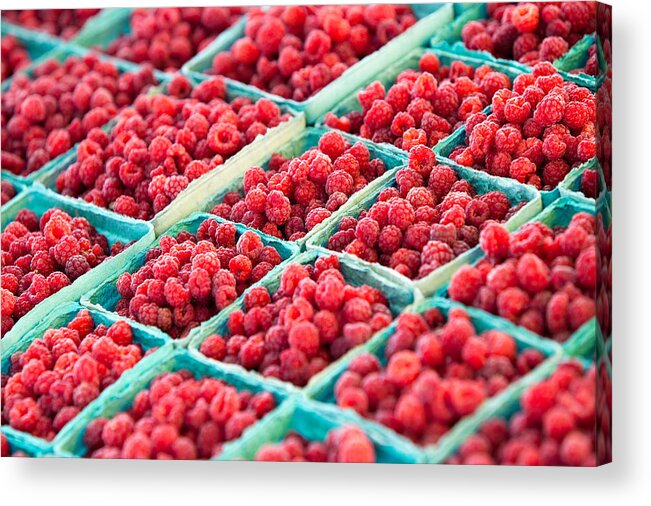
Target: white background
626, 482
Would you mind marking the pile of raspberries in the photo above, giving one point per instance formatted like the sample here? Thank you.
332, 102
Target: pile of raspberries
295, 51
64, 23
535, 133
168, 37
423, 106
555, 426
14, 56
540, 278
312, 319
163, 143
294, 195
529, 32
63, 371
425, 221
347, 444
40, 256
178, 417
45, 115
437, 371
191, 277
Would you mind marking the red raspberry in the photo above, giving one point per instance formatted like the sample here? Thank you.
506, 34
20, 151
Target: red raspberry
494, 240
465, 284
525, 17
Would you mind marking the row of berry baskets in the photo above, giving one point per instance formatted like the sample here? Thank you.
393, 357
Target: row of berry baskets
272, 394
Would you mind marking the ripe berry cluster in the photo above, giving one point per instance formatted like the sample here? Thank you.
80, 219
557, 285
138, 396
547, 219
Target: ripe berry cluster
63, 371
424, 106
347, 444
14, 56
8, 451
42, 256
295, 51
529, 32
177, 417
64, 23
168, 37
295, 195
540, 278
437, 372
314, 317
192, 277
44, 116
8, 191
427, 220
555, 426
535, 133
161, 144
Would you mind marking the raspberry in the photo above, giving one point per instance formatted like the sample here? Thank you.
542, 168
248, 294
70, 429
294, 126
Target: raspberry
465, 284
494, 240
552, 48
525, 17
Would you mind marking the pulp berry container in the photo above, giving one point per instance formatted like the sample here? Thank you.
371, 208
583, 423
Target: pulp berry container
31, 446
57, 40
323, 391
113, 23
61, 53
290, 144
559, 214
314, 421
481, 181
198, 190
36, 44
104, 295
388, 75
317, 105
574, 59
355, 273
571, 185
147, 338
119, 397
122, 229
503, 406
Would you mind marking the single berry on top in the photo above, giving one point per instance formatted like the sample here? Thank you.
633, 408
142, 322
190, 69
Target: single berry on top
167, 37
436, 371
42, 255
541, 278
64, 23
177, 417
422, 106
63, 371
535, 133
191, 277
555, 426
294, 195
163, 143
312, 319
429, 218
295, 51
531, 32
45, 115
346, 444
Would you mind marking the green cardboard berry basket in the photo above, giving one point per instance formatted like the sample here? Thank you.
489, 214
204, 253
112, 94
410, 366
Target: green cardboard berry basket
115, 229
317, 105
148, 339
356, 274
292, 144
582, 342
575, 58
90, 22
503, 406
428, 285
112, 23
314, 421
571, 185
200, 189
119, 397
36, 44
32, 446
104, 295
324, 390
388, 75
62, 52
